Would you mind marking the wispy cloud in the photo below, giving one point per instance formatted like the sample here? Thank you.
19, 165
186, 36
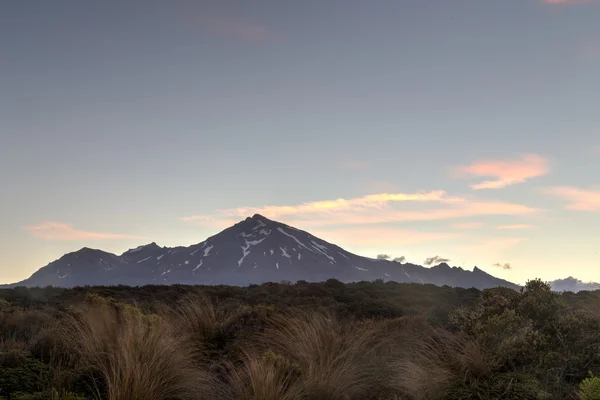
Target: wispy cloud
578, 199
515, 227
503, 266
62, 231
373, 209
506, 173
467, 225
435, 260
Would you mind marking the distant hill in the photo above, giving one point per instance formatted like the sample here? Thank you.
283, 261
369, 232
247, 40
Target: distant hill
253, 251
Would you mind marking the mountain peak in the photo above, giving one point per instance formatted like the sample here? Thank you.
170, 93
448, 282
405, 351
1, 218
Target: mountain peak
255, 250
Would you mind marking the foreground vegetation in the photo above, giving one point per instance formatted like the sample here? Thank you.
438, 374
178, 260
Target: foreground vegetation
308, 341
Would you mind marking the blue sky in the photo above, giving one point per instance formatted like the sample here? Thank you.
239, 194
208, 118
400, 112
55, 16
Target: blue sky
371, 124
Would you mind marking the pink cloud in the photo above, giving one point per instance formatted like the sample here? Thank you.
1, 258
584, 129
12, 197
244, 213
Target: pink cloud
62, 231
578, 199
467, 225
506, 173
515, 227
373, 209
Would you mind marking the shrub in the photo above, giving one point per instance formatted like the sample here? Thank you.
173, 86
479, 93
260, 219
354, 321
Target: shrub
590, 388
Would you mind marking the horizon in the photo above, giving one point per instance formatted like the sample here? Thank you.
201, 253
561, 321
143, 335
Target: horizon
428, 263
461, 130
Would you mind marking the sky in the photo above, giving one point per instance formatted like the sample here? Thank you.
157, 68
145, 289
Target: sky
464, 129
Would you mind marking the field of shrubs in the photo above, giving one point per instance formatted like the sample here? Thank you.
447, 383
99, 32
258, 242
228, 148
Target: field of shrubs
302, 341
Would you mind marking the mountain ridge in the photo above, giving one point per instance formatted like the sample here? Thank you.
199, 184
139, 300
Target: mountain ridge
252, 251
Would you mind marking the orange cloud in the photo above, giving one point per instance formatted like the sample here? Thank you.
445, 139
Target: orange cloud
514, 227
578, 199
506, 173
61, 231
373, 209
467, 225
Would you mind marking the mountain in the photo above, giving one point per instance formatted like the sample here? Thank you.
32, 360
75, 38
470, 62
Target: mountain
255, 250
571, 284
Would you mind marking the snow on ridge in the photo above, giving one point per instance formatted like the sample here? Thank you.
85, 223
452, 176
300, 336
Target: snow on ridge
265, 232
260, 224
159, 257
198, 266
207, 250
199, 248
246, 249
361, 269
342, 254
320, 246
145, 259
294, 237
284, 253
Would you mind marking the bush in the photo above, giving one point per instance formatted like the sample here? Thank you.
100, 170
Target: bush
590, 388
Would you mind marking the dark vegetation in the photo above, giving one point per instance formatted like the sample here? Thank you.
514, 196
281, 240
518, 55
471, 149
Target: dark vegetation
309, 341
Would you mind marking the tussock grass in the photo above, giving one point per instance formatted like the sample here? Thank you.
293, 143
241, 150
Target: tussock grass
133, 356
336, 361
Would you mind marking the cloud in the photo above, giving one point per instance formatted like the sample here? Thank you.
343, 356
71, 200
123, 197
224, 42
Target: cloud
435, 260
503, 266
383, 256
578, 199
506, 173
62, 231
371, 209
400, 259
467, 225
515, 226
